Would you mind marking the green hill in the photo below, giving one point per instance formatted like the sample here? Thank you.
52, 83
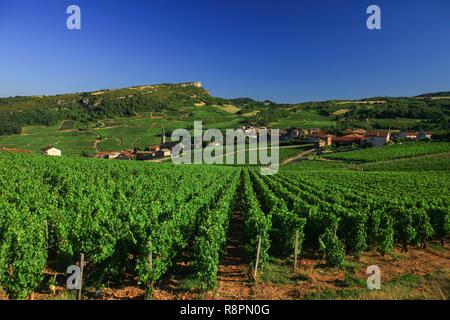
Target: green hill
125, 118
435, 94
88, 107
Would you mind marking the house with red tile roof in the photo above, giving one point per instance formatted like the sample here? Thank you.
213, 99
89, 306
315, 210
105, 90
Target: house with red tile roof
378, 138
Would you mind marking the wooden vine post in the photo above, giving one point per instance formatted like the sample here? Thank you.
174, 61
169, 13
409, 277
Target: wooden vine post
295, 250
82, 263
150, 257
257, 257
46, 233
149, 291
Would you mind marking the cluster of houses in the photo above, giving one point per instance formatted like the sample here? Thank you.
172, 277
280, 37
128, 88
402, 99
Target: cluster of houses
321, 138
152, 153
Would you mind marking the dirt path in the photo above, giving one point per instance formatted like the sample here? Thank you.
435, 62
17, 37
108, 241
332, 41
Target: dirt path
98, 139
293, 159
96, 146
233, 275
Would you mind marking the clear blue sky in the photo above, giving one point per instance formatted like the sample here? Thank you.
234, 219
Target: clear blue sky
284, 50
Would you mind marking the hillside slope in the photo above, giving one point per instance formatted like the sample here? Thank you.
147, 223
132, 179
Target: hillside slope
17, 112
126, 118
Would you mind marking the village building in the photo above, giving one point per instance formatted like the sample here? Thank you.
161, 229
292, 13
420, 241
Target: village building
125, 155
107, 155
413, 135
145, 155
349, 139
168, 145
361, 132
284, 135
164, 153
267, 130
314, 131
51, 151
378, 138
424, 135
249, 129
165, 144
294, 133
154, 148
320, 139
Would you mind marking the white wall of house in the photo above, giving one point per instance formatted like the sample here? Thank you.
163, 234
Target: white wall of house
53, 152
377, 141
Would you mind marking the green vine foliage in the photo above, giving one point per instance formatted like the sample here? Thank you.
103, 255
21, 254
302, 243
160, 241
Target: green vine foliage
138, 217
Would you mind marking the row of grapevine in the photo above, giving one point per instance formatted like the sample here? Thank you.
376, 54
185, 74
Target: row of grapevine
285, 224
382, 217
418, 210
53, 210
213, 236
257, 224
390, 152
319, 223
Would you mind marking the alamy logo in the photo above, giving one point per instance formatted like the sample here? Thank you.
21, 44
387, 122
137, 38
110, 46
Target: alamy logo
74, 281
73, 22
237, 144
374, 280
374, 21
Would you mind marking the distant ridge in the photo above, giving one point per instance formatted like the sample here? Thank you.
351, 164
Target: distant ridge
435, 94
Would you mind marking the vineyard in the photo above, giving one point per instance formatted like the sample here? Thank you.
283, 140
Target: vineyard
391, 152
140, 218
423, 163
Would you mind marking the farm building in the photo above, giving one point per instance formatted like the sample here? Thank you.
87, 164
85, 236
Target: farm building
294, 133
320, 139
284, 135
413, 135
168, 145
356, 131
125, 155
315, 131
51, 151
107, 155
145, 155
154, 148
424, 135
164, 153
349, 139
378, 138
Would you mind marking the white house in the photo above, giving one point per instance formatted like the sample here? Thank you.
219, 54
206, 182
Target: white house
410, 135
51, 151
378, 138
164, 153
424, 135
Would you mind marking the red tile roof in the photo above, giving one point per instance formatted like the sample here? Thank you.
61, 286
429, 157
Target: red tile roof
378, 133
127, 154
348, 138
106, 153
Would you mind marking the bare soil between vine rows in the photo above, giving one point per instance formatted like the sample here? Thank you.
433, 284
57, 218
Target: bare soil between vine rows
236, 283
312, 277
